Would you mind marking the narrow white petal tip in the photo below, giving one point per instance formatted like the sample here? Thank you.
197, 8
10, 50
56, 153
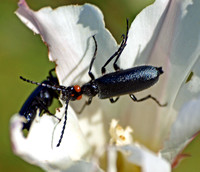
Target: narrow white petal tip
16, 134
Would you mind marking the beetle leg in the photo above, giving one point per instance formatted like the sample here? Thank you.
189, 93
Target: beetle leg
121, 48
85, 104
145, 98
50, 72
113, 100
46, 109
92, 61
117, 53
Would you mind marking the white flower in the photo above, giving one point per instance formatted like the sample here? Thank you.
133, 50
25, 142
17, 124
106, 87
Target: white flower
165, 34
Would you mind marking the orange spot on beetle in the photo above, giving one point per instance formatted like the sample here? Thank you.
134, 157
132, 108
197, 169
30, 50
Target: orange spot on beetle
77, 88
79, 97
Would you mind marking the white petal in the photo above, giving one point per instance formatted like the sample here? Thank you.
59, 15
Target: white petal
39, 147
165, 34
187, 123
183, 129
145, 159
183, 90
142, 34
81, 166
185, 47
68, 32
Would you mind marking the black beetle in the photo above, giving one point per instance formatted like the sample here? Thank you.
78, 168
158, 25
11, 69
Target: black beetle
115, 84
40, 99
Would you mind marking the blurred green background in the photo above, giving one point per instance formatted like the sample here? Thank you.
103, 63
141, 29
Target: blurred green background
22, 53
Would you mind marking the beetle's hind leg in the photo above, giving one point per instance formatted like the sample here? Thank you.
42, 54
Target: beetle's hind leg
145, 98
113, 100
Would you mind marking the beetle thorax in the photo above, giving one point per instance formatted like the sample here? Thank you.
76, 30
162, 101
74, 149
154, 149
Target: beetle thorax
90, 89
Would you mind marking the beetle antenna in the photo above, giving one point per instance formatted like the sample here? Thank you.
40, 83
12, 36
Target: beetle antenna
53, 87
64, 125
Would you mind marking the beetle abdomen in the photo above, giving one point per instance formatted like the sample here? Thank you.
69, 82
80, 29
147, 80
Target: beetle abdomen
127, 81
